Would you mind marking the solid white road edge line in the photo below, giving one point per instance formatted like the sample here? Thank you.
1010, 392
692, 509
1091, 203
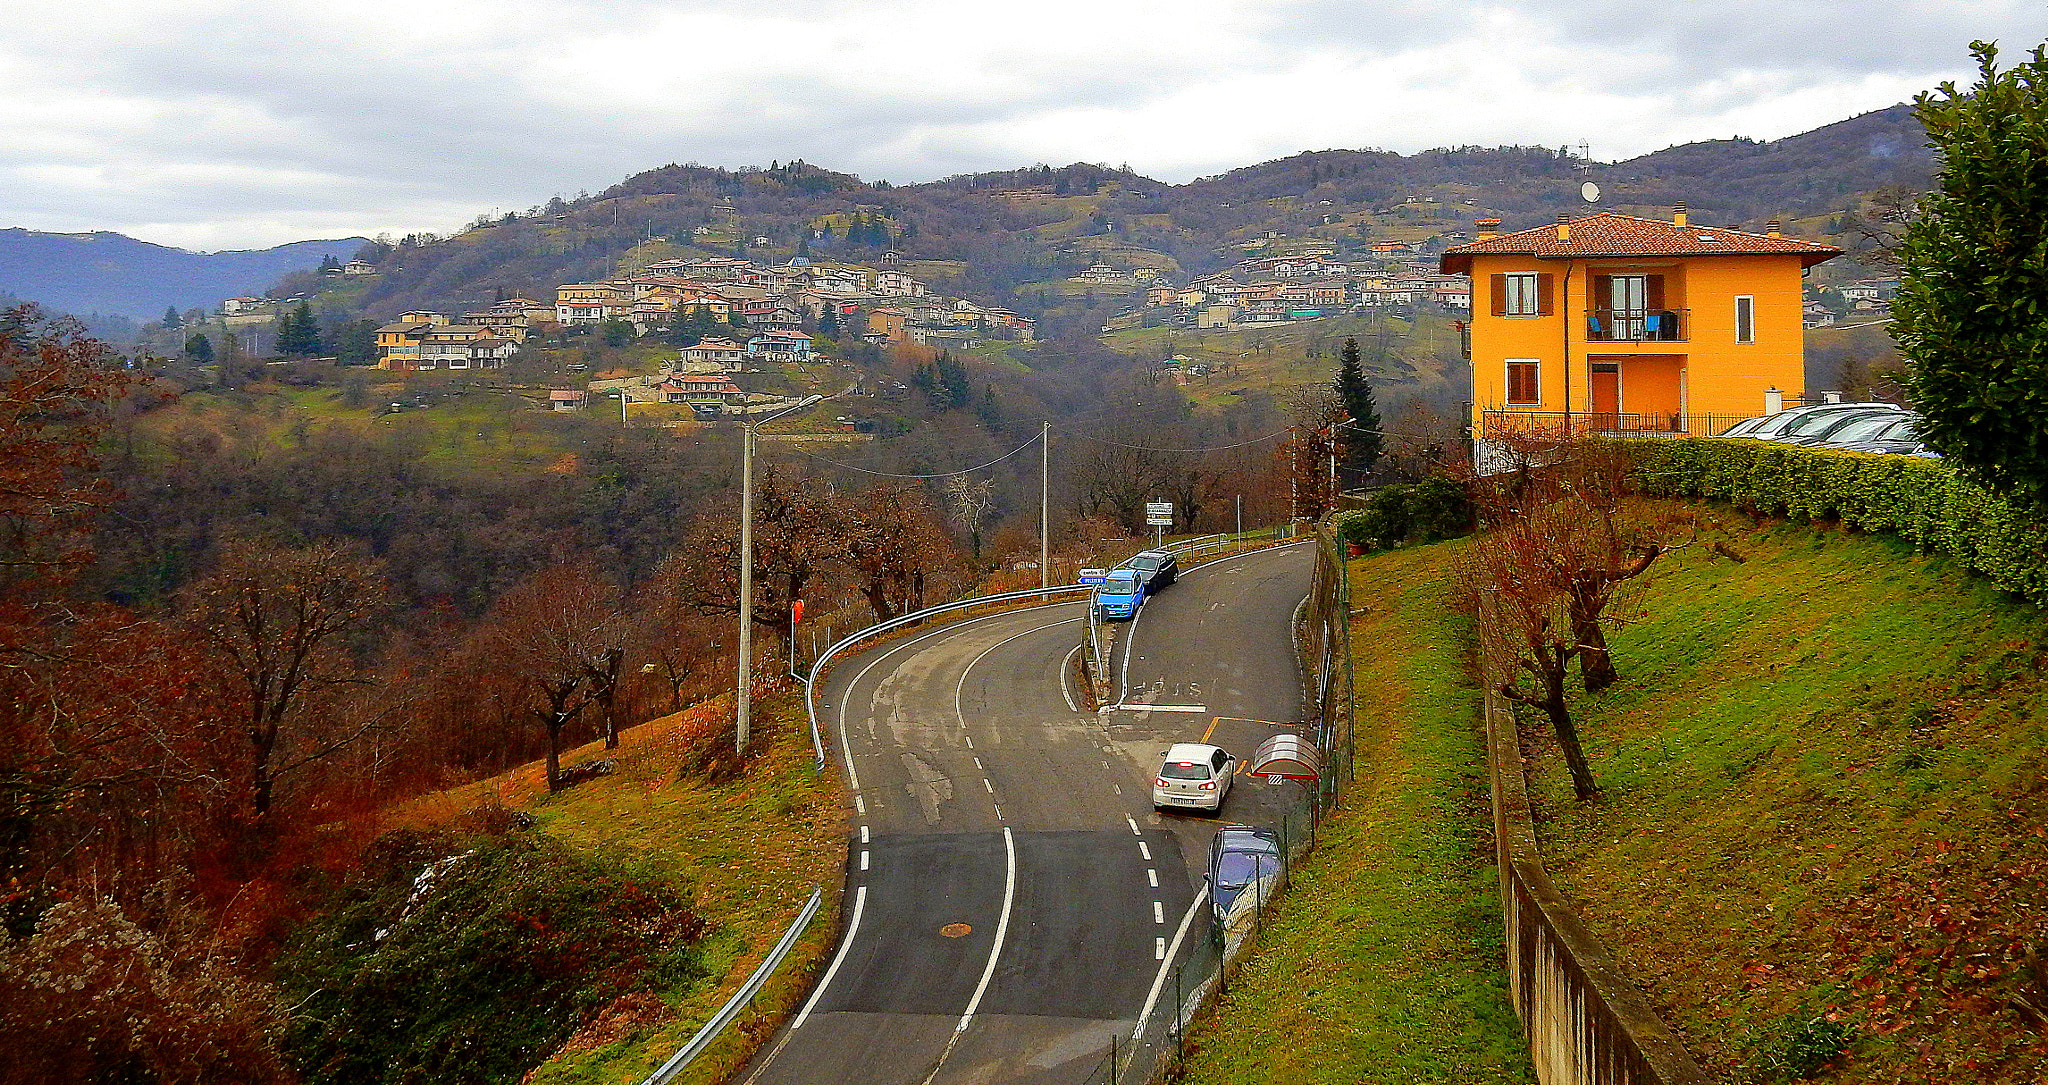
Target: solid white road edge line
1066, 690
1002, 928
860, 900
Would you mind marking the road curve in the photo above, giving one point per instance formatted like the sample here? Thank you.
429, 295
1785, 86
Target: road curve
1011, 895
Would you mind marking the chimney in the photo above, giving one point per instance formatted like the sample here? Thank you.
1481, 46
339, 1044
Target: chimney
1677, 214
1564, 226
1774, 228
1488, 228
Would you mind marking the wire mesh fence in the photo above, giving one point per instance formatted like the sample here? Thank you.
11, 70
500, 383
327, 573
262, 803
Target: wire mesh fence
1208, 945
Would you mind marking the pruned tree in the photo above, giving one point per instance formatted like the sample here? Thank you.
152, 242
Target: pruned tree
799, 533
1564, 558
1512, 570
282, 623
895, 542
557, 632
1309, 451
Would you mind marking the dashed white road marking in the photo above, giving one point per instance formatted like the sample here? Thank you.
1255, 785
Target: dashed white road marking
1145, 850
1158, 949
1158, 912
1134, 826
1152, 876
863, 859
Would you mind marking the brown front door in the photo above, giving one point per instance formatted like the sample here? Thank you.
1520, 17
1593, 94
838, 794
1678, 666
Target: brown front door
1606, 388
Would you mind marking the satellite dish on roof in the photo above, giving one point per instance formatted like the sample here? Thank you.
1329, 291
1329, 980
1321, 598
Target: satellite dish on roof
1589, 192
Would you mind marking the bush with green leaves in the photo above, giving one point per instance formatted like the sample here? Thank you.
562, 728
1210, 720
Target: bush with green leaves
1922, 501
1971, 315
1435, 508
474, 966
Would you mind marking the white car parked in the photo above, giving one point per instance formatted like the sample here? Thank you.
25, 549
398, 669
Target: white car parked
1193, 776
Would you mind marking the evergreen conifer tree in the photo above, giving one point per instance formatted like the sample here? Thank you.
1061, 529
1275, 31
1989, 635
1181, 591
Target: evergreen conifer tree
1360, 440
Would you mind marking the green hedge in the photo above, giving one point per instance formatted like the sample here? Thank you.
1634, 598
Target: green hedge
1920, 500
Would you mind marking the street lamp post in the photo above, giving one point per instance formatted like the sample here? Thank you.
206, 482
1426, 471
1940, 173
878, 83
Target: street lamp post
746, 676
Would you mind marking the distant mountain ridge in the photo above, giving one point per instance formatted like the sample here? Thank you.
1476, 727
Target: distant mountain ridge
1010, 236
110, 273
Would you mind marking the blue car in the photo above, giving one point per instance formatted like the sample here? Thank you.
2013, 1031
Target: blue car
1119, 596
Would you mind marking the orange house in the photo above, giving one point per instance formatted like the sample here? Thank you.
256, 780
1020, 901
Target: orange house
1616, 323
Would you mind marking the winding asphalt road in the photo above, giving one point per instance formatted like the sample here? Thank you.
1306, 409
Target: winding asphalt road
1013, 901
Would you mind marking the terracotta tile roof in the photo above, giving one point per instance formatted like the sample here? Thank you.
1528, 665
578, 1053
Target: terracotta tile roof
1609, 234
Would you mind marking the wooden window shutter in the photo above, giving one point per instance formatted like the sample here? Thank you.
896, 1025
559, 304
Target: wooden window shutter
1602, 294
1500, 294
1545, 294
1653, 292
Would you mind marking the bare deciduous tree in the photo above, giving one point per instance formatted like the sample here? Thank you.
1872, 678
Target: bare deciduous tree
560, 633
280, 621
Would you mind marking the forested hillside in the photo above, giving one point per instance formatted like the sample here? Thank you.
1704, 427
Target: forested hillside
1000, 237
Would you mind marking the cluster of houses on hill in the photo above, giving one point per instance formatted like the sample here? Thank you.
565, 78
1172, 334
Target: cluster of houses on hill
1864, 299
1287, 289
766, 307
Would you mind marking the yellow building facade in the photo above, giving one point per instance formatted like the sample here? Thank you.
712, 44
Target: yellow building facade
1617, 323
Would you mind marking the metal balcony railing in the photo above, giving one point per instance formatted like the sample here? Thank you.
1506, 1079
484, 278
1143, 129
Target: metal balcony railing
1636, 325
1494, 423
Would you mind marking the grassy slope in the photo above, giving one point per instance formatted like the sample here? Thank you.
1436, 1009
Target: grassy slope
751, 851
1382, 964
1823, 801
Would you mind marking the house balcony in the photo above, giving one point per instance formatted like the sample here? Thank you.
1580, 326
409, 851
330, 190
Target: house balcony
1637, 325
1499, 423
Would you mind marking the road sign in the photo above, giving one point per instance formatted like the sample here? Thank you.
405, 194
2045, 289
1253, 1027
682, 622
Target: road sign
1159, 512
1091, 576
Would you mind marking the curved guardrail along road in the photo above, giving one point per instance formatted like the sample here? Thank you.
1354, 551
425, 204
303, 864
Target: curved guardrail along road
1013, 903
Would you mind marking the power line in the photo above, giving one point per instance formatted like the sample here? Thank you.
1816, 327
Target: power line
942, 474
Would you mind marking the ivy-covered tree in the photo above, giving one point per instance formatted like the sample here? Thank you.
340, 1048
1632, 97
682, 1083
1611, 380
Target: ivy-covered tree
1971, 315
1360, 441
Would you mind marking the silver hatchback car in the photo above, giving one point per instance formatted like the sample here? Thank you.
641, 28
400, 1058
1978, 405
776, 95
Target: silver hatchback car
1193, 776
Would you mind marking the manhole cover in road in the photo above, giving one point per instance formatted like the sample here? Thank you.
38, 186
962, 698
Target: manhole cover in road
955, 930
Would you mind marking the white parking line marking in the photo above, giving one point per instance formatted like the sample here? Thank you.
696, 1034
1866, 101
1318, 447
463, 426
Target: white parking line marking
1118, 788
1134, 825
977, 764
1145, 850
991, 787
863, 860
863, 834
970, 741
1158, 912
860, 805
1152, 877
1158, 949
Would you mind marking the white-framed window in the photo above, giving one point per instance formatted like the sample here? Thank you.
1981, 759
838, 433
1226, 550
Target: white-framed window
1519, 294
1745, 318
1524, 381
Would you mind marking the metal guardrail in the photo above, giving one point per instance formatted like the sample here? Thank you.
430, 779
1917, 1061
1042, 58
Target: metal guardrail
913, 618
668, 1070
1206, 542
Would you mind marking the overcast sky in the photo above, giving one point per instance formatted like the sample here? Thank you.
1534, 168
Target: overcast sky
221, 124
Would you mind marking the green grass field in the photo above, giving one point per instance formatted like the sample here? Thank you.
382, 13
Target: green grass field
1821, 830
1382, 963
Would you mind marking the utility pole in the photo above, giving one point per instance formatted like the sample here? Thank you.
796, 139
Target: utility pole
744, 709
1045, 506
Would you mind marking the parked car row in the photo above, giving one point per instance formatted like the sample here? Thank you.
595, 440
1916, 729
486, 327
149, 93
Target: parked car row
1860, 427
1130, 584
